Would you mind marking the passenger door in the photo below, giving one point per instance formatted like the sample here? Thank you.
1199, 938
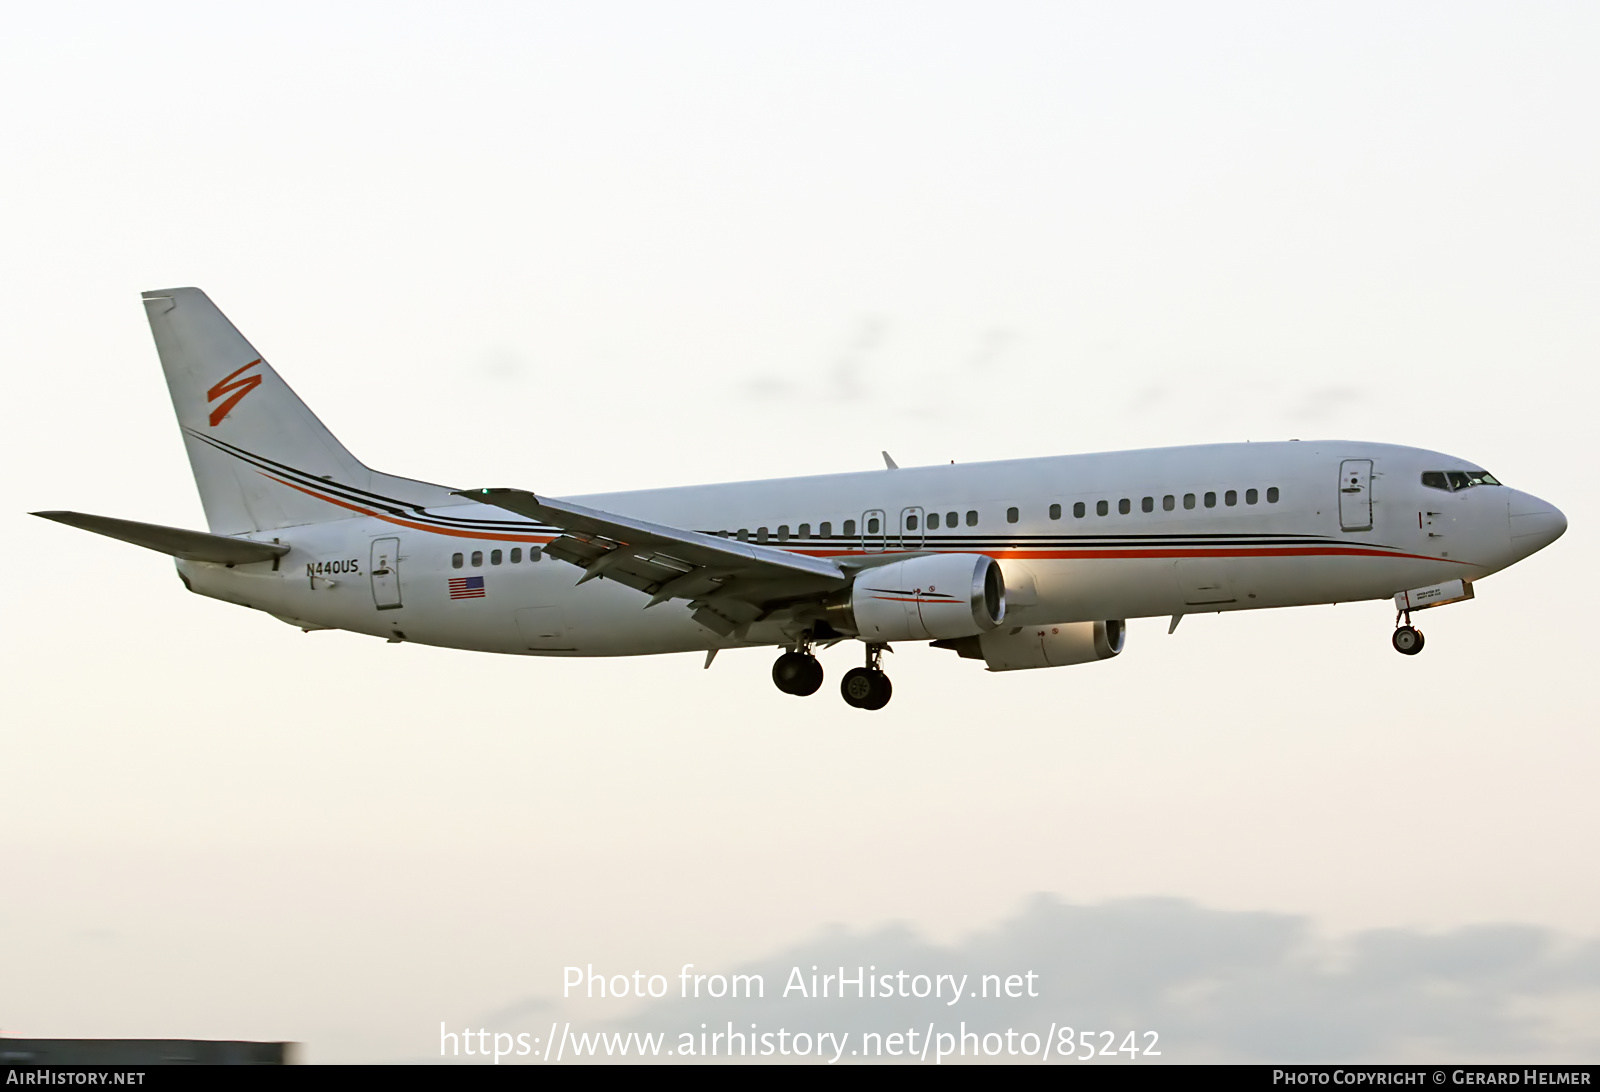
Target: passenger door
1355, 495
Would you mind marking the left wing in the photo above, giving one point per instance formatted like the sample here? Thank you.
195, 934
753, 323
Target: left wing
729, 583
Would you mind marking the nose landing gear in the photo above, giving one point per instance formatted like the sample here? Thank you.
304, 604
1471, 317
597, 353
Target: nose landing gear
867, 687
1407, 638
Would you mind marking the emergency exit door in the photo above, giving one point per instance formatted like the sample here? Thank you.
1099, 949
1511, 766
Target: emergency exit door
386, 573
1355, 495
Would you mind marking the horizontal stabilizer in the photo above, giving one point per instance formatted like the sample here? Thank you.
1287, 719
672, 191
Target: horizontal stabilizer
189, 545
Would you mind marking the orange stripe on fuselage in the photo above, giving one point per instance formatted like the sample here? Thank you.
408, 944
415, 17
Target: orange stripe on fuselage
408, 523
1001, 554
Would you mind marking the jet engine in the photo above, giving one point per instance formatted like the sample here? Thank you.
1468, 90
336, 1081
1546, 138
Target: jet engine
1057, 645
922, 598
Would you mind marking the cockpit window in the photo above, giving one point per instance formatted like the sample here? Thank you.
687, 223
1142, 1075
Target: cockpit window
1455, 480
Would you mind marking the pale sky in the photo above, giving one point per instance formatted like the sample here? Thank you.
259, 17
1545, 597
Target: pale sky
580, 248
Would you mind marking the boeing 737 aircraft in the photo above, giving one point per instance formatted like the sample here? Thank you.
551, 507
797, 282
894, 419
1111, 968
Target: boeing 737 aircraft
1022, 564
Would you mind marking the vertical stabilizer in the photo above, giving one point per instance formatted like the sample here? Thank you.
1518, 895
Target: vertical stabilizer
260, 456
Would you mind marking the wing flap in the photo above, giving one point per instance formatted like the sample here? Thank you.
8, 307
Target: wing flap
728, 581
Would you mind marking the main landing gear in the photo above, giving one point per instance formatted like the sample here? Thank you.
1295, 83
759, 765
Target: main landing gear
797, 671
867, 687
1407, 638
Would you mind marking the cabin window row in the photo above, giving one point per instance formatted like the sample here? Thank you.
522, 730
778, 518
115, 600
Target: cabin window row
847, 529
496, 557
1230, 498
874, 524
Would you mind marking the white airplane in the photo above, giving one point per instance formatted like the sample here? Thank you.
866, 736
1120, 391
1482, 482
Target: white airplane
1023, 564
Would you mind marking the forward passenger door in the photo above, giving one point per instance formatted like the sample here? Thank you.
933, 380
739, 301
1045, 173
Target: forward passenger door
1355, 495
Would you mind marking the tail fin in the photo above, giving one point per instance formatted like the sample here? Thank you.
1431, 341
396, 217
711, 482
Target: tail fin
260, 457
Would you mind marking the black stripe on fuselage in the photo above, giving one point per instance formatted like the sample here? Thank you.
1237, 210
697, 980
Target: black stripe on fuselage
871, 544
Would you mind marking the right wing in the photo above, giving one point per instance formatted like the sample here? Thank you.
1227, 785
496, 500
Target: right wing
729, 583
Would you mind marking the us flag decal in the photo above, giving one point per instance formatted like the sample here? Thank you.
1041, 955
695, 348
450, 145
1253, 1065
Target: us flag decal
466, 587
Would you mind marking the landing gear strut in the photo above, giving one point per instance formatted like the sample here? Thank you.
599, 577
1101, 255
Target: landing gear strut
1407, 638
867, 687
797, 671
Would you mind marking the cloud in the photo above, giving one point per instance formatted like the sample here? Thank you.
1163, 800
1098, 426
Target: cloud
1326, 403
1217, 985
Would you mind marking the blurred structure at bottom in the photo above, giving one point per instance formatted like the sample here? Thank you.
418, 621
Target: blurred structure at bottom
143, 1052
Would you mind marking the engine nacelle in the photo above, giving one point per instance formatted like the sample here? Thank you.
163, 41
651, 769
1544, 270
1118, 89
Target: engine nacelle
923, 598
1059, 645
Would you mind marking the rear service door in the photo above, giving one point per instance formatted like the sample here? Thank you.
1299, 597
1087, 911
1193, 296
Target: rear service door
1355, 495
386, 573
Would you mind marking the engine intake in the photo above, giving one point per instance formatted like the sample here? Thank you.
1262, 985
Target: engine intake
923, 598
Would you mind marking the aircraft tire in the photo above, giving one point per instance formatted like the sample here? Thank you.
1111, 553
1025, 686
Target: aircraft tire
1407, 641
796, 673
882, 691
856, 687
864, 688
809, 680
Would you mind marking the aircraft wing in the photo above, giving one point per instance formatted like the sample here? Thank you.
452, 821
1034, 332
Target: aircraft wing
728, 583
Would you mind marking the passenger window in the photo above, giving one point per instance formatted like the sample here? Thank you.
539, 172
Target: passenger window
1147, 505
826, 530
872, 525
972, 518
477, 558
1272, 494
783, 532
1231, 498
1124, 506
933, 521
1251, 496
911, 523
950, 520
495, 557
761, 534
849, 528
1211, 500
1055, 511
743, 534
804, 532
1188, 500
1102, 508
456, 561
1078, 510
1168, 503
1012, 515
534, 554
516, 555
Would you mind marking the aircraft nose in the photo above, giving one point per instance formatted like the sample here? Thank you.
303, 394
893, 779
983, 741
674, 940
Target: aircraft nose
1535, 524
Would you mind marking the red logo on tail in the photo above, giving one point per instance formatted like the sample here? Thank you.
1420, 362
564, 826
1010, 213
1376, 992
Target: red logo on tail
240, 388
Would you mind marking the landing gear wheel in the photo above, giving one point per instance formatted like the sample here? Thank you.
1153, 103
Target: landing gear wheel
1407, 641
797, 673
865, 688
